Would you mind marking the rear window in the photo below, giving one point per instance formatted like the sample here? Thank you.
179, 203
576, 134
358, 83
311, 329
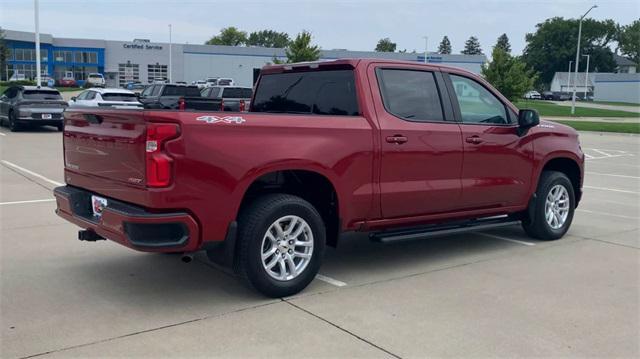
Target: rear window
411, 95
95, 76
41, 95
318, 92
190, 91
224, 82
123, 97
236, 92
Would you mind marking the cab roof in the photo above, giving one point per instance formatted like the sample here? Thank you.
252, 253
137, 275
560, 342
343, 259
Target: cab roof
346, 63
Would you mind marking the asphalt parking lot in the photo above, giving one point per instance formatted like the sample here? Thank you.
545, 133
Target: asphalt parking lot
494, 293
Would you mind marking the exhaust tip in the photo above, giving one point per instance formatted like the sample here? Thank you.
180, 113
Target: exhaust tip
187, 258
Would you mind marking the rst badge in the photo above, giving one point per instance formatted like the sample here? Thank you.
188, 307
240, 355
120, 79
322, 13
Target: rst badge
226, 119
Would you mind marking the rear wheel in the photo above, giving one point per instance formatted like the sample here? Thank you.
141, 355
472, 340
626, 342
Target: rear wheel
553, 209
281, 242
60, 127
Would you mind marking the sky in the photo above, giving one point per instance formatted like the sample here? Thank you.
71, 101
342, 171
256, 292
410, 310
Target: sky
353, 25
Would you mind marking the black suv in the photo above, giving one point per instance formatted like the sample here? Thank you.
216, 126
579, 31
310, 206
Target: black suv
31, 105
166, 96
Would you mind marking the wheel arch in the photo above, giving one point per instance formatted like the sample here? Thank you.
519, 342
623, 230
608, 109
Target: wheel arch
568, 164
314, 185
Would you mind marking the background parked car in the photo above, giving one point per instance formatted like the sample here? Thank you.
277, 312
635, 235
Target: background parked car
17, 77
96, 79
533, 95
200, 84
67, 82
133, 86
167, 96
106, 97
31, 105
229, 98
225, 82
211, 81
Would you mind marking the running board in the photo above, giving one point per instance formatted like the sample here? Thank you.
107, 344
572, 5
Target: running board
438, 230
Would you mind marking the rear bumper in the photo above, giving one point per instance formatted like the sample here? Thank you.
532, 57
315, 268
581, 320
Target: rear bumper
129, 225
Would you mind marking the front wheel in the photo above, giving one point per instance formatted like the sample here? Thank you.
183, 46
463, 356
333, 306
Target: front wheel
553, 209
281, 242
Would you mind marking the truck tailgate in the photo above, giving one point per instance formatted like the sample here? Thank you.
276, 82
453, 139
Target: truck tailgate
106, 144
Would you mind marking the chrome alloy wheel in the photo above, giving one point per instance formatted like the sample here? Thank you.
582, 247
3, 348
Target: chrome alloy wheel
556, 207
287, 248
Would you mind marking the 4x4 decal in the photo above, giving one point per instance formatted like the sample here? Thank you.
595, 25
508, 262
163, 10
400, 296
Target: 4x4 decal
226, 119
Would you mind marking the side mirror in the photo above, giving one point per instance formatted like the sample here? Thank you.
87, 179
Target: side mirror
73, 98
526, 120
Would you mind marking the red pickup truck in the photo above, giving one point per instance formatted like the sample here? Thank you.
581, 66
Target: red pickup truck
400, 150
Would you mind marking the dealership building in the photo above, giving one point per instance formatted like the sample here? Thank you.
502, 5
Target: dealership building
141, 60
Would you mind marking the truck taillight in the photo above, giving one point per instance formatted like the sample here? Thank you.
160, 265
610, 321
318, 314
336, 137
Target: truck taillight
182, 105
221, 104
242, 106
159, 164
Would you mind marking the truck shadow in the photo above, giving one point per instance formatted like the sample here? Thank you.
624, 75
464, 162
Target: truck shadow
146, 281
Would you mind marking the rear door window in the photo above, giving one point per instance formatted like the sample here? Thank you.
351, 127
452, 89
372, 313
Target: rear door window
410, 94
41, 95
329, 92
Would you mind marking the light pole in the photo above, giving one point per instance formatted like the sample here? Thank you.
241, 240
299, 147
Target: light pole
569, 78
170, 55
426, 43
573, 98
586, 77
37, 21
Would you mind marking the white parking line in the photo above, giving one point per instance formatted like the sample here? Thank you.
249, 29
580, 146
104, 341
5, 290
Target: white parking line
30, 201
611, 189
611, 175
331, 281
2, 134
24, 170
505, 239
606, 214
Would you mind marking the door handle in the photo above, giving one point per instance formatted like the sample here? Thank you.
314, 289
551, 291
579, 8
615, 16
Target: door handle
397, 139
474, 139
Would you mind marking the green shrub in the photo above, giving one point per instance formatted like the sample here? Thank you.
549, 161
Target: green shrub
17, 83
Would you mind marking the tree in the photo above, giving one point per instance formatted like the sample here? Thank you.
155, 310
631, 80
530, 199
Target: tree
4, 55
508, 74
553, 45
503, 43
300, 49
385, 45
229, 36
472, 47
268, 38
445, 46
629, 41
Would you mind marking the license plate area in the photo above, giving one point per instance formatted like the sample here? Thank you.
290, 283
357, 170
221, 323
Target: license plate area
46, 116
98, 204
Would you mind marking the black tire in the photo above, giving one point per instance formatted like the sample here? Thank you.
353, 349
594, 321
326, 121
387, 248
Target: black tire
253, 223
539, 227
60, 127
14, 126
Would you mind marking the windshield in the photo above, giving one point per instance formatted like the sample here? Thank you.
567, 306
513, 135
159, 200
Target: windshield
329, 92
123, 97
95, 76
41, 95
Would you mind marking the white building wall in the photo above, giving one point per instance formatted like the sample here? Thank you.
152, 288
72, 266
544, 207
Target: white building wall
239, 67
628, 91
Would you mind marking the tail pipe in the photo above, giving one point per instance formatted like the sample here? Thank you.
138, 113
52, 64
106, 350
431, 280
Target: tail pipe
187, 257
